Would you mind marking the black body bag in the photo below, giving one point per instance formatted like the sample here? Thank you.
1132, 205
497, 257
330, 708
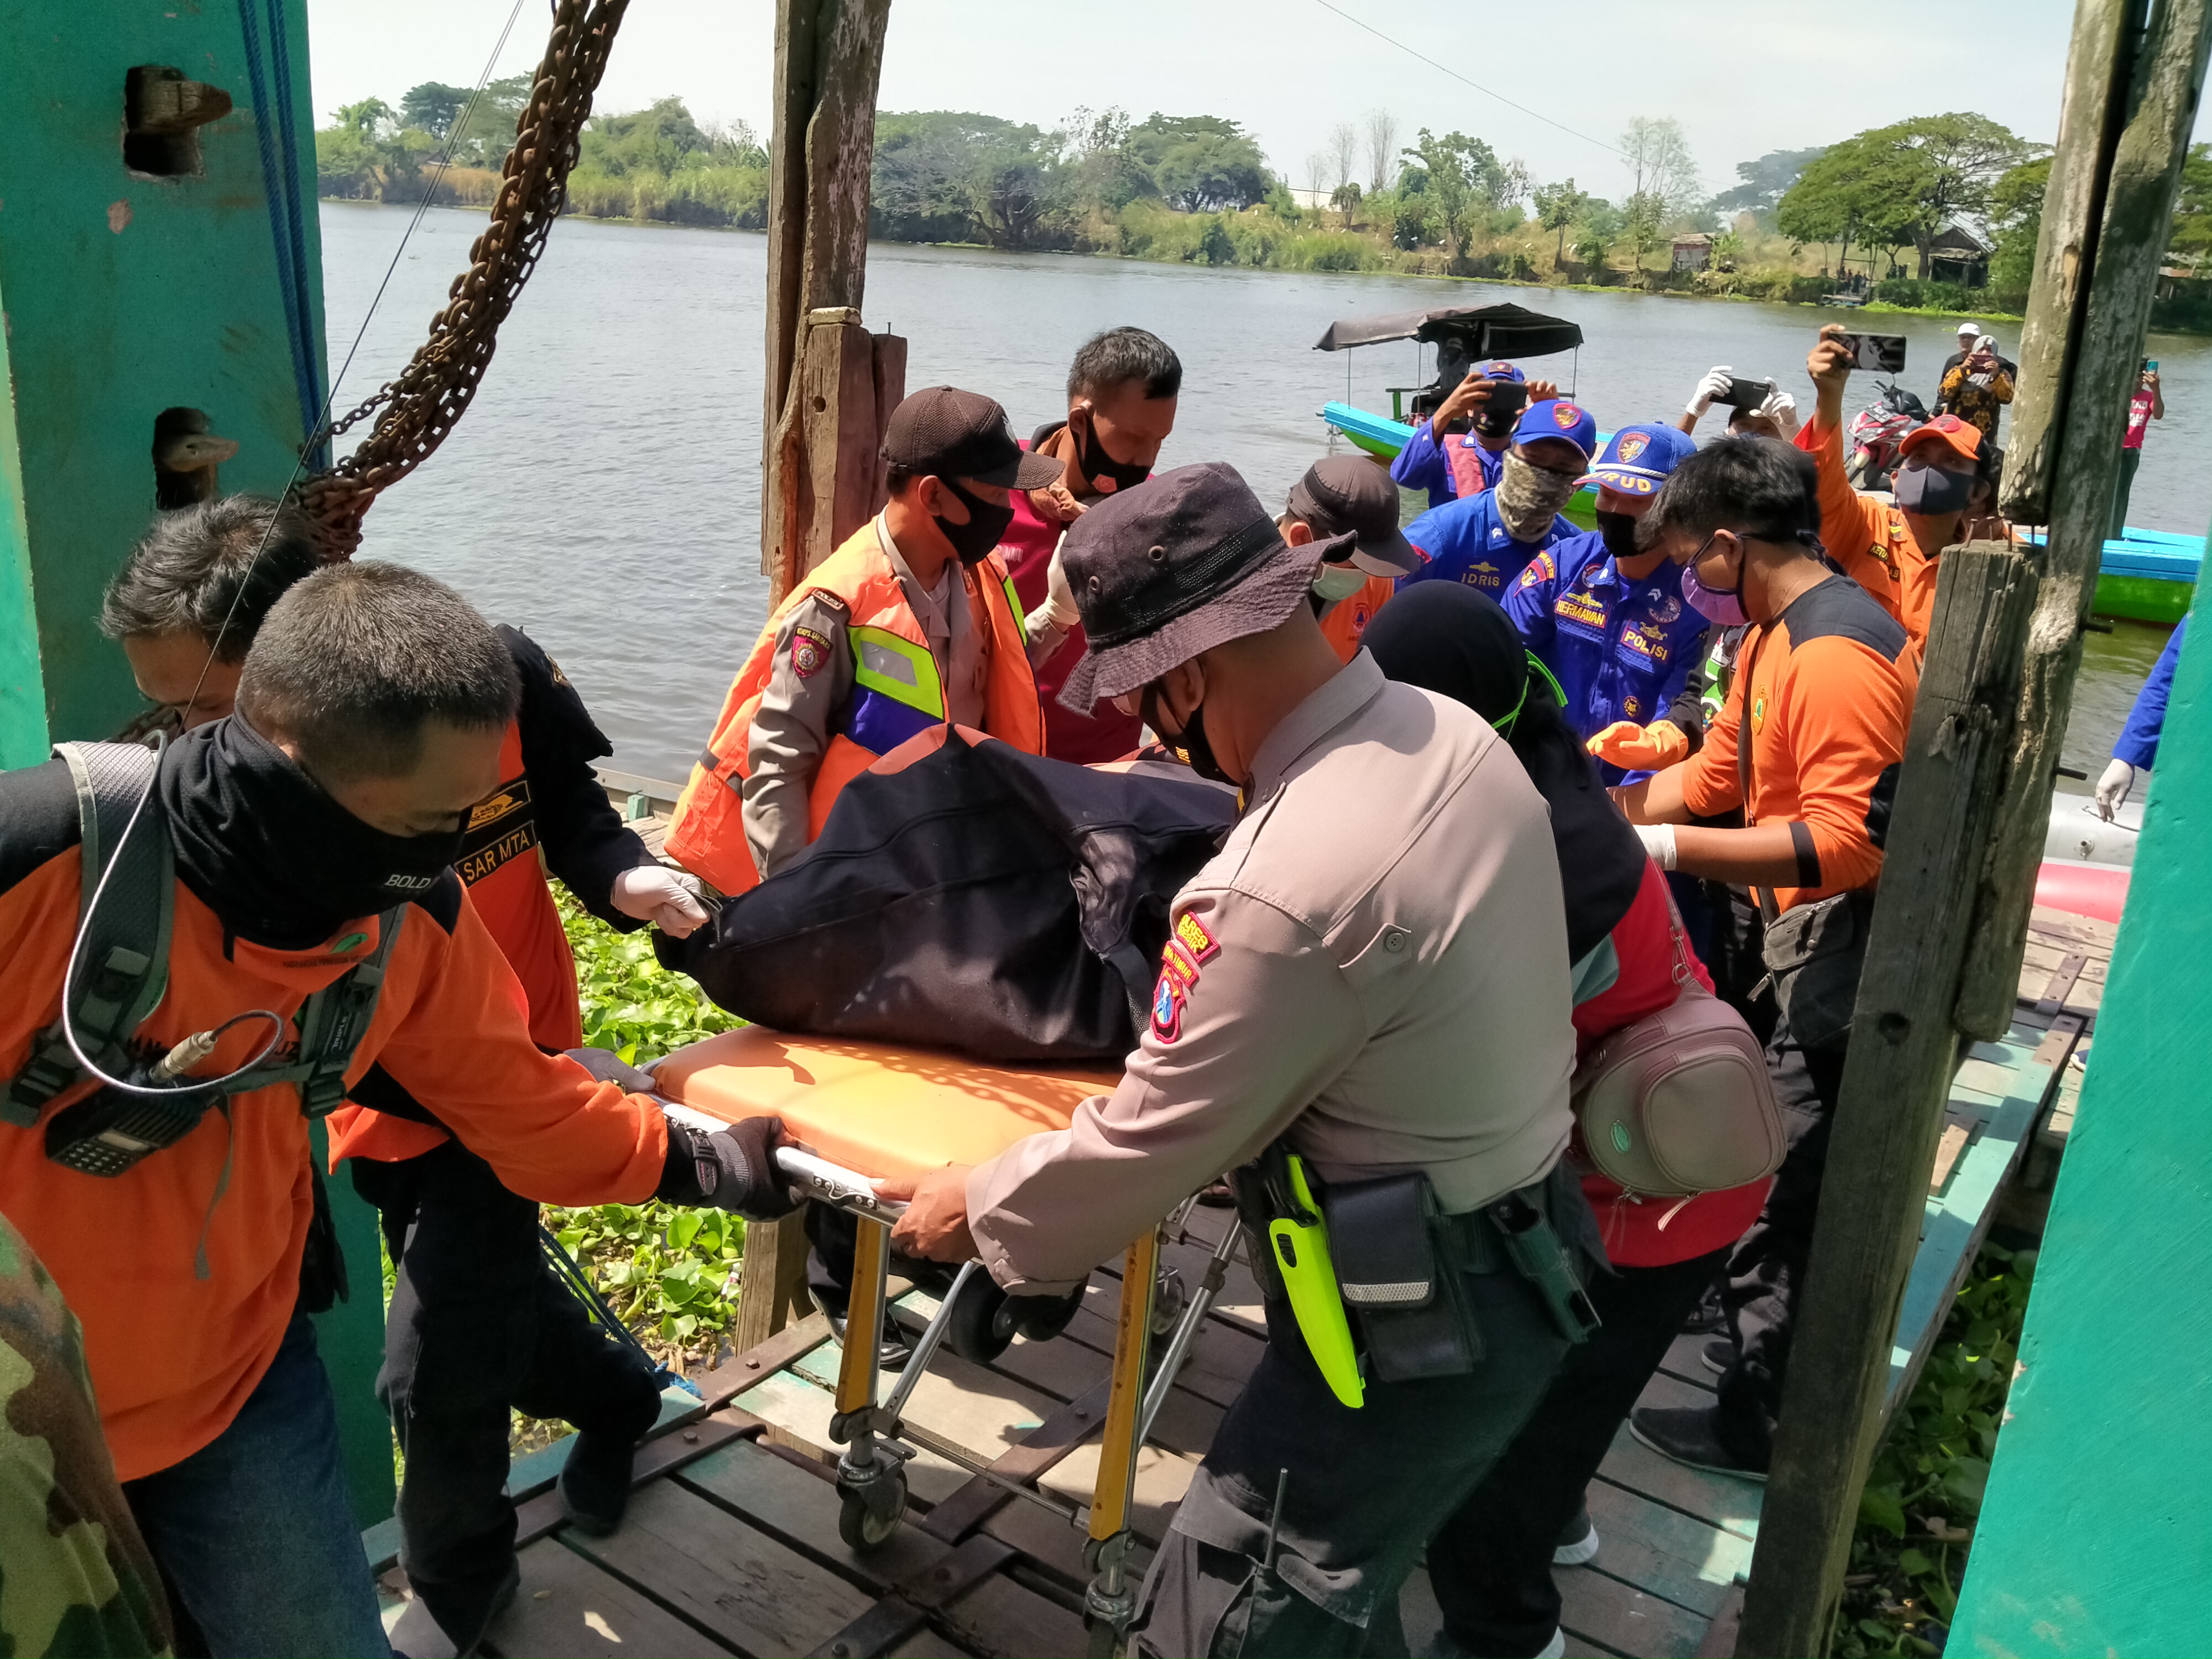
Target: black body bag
981, 899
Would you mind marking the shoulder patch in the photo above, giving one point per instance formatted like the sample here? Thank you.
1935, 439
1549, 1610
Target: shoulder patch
1188, 951
836, 602
810, 651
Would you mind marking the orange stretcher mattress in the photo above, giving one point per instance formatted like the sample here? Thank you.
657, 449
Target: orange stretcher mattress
876, 1109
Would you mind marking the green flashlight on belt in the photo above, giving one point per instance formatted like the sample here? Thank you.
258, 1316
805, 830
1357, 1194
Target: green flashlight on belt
1300, 1241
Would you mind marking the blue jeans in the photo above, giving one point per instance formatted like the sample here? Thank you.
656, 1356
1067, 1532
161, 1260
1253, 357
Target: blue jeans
254, 1531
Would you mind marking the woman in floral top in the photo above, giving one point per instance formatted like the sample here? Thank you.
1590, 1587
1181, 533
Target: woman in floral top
1976, 388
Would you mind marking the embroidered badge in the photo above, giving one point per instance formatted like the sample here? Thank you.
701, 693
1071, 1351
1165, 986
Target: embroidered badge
1758, 711
1665, 607
1630, 708
1630, 446
559, 678
1188, 949
809, 653
1566, 415
347, 946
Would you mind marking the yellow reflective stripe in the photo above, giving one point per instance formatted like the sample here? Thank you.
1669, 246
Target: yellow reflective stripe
897, 669
1013, 599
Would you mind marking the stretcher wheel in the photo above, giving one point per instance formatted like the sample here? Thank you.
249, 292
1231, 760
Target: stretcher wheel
982, 1324
867, 1515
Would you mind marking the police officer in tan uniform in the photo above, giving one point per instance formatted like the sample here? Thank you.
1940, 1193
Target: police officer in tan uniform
1373, 972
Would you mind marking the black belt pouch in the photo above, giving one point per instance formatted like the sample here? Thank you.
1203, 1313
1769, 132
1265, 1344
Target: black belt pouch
1400, 1278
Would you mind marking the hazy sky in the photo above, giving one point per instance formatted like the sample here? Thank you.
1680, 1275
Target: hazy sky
1743, 76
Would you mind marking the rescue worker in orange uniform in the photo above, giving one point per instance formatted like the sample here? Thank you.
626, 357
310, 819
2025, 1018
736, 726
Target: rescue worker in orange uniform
1947, 475
1349, 495
913, 621
478, 1323
312, 832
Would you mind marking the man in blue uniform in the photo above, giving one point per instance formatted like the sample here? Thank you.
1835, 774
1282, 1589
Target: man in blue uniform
1453, 464
1486, 540
1607, 620
2138, 749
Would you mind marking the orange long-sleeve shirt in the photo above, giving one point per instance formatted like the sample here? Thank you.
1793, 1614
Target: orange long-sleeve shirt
174, 1355
1869, 537
1829, 687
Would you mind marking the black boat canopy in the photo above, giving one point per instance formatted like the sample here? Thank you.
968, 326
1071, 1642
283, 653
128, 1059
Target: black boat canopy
1499, 331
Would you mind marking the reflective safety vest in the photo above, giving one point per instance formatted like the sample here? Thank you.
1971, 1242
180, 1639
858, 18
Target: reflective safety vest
896, 694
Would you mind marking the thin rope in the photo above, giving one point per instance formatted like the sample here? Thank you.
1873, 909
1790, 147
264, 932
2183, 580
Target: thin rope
1411, 52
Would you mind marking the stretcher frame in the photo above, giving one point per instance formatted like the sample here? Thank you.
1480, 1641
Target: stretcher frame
871, 1482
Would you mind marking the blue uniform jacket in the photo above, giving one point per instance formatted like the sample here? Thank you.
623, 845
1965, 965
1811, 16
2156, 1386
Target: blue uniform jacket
2138, 743
1621, 650
1423, 465
1466, 542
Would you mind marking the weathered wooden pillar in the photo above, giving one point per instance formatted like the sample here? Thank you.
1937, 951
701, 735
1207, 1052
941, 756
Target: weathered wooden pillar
1965, 840
826, 386
2130, 104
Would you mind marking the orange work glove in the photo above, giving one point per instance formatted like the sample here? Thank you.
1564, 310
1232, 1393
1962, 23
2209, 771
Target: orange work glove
1640, 748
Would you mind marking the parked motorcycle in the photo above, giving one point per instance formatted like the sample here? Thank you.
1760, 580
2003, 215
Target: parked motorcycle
1877, 431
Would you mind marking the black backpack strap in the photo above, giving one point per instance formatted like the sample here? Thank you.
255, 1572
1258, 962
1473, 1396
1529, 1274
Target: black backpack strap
332, 1023
123, 964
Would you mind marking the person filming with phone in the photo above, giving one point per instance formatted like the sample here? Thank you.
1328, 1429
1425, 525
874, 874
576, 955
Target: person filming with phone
2145, 404
1460, 450
1944, 489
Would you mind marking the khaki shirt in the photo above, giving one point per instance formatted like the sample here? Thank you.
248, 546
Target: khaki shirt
1376, 962
798, 712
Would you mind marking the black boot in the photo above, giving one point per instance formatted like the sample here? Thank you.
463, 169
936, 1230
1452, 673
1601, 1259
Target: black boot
466, 1611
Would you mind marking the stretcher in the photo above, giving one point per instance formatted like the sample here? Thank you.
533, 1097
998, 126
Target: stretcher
857, 1111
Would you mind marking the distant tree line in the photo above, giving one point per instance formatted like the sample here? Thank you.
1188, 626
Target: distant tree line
1198, 187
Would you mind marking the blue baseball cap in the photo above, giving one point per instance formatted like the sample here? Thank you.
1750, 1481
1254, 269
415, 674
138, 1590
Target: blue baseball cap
1556, 418
1637, 458
1499, 369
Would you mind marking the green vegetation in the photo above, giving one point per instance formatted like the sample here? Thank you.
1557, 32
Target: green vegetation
670, 1274
1916, 1514
1196, 189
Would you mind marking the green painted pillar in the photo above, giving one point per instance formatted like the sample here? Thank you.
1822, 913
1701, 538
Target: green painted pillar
2096, 1529
147, 287
135, 285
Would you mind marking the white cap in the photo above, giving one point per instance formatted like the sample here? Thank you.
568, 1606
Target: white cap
1969, 328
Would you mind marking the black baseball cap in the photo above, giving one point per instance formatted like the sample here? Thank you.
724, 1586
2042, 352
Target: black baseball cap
1350, 495
944, 432
1183, 562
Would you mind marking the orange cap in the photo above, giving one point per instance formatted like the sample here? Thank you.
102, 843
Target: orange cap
1949, 430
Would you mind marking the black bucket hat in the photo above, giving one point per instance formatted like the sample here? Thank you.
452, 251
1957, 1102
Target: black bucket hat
1181, 563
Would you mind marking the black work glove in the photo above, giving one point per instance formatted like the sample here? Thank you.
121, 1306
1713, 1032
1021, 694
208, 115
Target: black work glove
610, 1067
732, 1169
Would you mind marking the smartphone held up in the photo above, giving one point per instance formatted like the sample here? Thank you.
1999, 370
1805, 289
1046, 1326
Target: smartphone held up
1883, 353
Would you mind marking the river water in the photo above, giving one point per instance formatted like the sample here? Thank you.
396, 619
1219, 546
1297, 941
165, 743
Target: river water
603, 490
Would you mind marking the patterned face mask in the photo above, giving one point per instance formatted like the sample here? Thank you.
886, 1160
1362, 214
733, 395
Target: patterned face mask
1530, 497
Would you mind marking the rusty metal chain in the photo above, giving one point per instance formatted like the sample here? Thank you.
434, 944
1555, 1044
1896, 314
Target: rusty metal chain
419, 408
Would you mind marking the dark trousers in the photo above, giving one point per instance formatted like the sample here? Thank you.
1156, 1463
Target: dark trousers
833, 1239
480, 1327
1767, 1268
254, 1532
1491, 1563
1366, 1490
2129, 460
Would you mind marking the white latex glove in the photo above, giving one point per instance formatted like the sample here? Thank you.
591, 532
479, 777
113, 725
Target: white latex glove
1718, 378
2112, 789
1059, 597
1658, 839
1782, 409
654, 893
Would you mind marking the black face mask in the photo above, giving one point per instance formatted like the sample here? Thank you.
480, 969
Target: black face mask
282, 863
1091, 457
1618, 530
972, 542
1190, 742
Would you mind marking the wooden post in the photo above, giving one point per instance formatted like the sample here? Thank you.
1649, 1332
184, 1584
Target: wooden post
771, 1279
1896, 1082
2124, 133
820, 398
1968, 828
